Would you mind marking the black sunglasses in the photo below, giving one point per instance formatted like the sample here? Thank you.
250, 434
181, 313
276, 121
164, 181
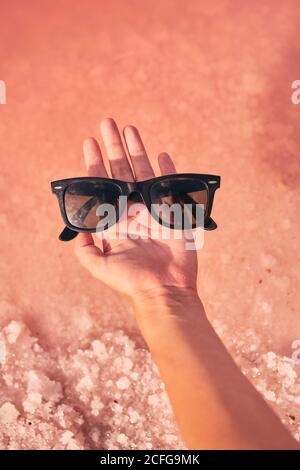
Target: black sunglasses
81, 198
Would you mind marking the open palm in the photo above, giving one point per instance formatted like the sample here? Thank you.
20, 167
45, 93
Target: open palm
140, 265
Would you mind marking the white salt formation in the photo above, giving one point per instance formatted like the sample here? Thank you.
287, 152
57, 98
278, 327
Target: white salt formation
90, 398
108, 394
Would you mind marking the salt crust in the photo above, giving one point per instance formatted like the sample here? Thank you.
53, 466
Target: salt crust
108, 395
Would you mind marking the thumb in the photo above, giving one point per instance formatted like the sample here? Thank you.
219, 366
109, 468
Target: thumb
89, 255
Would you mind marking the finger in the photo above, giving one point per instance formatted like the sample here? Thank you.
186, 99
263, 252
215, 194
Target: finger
166, 164
93, 158
102, 237
89, 255
118, 161
138, 156
85, 244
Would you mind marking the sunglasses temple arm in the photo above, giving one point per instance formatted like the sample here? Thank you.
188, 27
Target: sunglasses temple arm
83, 212
210, 224
67, 234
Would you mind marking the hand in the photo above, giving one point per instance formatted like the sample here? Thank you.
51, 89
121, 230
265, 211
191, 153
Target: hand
136, 267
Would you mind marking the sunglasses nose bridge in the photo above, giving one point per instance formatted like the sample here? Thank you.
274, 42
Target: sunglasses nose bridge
136, 196
132, 187
134, 192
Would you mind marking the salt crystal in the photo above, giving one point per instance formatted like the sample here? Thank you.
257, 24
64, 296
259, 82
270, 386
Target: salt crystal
287, 369
122, 439
2, 352
148, 446
33, 381
117, 408
99, 349
52, 390
13, 330
8, 413
84, 398
133, 416
123, 363
269, 395
123, 383
73, 445
270, 357
153, 400
96, 406
95, 435
65, 437
128, 364
32, 401
8, 379
58, 447
85, 384
170, 438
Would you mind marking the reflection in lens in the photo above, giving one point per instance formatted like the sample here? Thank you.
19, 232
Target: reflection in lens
83, 202
189, 194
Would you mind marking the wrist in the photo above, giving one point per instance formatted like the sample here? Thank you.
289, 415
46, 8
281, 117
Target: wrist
163, 296
167, 301
168, 316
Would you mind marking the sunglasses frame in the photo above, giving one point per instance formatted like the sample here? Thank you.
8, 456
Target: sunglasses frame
143, 188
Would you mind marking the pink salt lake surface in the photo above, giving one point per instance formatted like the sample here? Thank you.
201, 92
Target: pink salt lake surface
208, 82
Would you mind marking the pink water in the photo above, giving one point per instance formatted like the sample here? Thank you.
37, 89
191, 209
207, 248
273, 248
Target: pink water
210, 83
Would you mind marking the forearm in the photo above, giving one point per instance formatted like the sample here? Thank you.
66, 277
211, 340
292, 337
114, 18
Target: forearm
215, 406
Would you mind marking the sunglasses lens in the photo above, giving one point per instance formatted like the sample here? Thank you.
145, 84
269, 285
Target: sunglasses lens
188, 198
92, 205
